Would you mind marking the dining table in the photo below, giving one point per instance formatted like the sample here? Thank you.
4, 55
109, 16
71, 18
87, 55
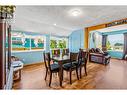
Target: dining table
61, 60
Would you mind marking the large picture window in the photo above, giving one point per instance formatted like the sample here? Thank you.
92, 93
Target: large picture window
56, 42
113, 44
22, 41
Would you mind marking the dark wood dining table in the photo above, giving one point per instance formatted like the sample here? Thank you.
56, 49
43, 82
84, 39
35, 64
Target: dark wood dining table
61, 60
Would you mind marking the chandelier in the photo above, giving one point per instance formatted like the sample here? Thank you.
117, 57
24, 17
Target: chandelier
7, 11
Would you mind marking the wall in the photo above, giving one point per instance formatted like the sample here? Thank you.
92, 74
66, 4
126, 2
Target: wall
76, 40
47, 42
29, 57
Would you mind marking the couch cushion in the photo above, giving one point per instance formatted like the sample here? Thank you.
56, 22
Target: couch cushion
99, 50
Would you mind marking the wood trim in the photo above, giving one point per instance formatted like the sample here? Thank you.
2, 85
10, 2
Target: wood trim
86, 37
1, 57
9, 45
96, 27
4, 53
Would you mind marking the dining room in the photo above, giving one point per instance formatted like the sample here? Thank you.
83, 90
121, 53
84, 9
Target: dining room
63, 47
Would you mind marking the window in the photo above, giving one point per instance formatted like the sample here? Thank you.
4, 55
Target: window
37, 42
56, 42
113, 44
22, 41
53, 44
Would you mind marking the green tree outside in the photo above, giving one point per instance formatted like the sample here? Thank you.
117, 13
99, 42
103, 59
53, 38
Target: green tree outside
61, 44
118, 44
53, 44
108, 45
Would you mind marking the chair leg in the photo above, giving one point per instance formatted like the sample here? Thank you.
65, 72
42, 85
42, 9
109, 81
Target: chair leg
50, 79
20, 74
77, 73
46, 74
85, 70
70, 76
80, 72
62, 75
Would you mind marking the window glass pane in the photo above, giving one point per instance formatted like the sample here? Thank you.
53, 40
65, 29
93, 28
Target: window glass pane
27, 43
20, 41
62, 43
56, 42
113, 44
53, 44
37, 42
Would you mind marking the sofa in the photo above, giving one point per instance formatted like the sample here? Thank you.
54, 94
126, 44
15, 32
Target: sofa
98, 56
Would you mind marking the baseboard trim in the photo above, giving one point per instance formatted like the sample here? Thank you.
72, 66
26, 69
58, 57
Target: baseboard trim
39, 63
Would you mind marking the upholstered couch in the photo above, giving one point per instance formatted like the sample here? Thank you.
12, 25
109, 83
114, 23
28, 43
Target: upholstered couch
98, 56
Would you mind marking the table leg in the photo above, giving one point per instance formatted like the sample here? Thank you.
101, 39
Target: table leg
60, 73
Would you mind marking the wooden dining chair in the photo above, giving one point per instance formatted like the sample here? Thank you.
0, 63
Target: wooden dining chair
56, 52
69, 67
83, 61
65, 51
52, 68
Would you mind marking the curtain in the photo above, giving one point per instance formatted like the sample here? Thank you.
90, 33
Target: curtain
104, 40
125, 45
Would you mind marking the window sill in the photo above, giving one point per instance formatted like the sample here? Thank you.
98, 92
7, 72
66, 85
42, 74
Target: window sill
115, 50
27, 51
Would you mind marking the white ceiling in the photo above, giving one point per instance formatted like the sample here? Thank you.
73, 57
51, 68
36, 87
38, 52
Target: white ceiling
41, 18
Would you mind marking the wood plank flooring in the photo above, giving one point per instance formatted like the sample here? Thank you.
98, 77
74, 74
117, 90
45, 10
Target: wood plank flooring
112, 76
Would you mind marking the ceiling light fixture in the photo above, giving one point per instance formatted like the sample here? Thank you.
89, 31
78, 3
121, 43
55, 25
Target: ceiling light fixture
75, 12
54, 24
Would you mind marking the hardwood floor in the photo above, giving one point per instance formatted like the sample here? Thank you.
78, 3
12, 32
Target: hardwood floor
112, 76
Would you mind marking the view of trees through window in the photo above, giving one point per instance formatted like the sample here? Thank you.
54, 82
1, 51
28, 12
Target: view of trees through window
115, 42
58, 43
53, 44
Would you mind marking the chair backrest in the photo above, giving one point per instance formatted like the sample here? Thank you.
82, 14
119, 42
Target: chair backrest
56, 52
73, 56
47, 60
65, 51
84, 56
